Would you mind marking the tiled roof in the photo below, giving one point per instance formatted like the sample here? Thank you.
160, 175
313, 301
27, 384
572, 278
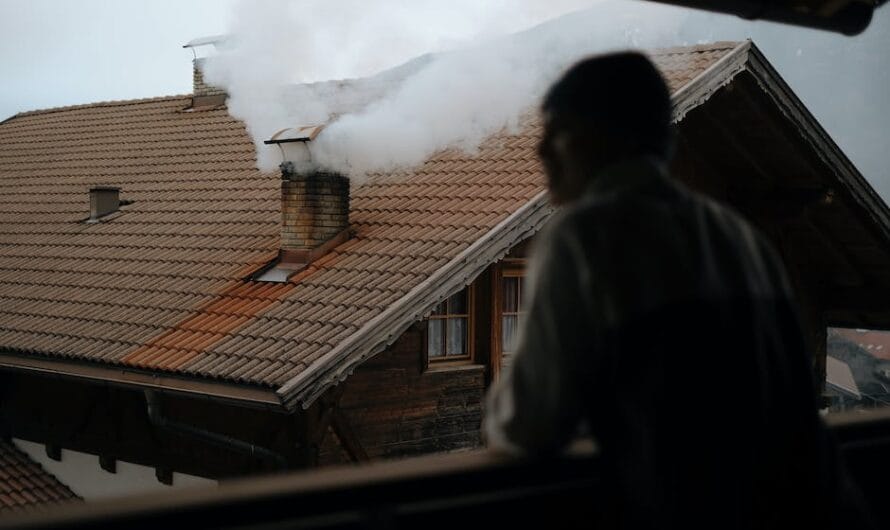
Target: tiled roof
875, 342
25, 485
162, 286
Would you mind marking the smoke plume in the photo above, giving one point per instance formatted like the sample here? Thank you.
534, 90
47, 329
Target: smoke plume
399, 81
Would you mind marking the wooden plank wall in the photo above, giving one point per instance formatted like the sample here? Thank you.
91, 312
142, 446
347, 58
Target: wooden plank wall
397, 408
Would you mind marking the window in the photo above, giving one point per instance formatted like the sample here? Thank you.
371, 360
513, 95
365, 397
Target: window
509, 292
448, 329
512, 289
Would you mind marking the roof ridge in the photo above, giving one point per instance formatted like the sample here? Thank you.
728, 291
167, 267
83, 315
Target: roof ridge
697, 48
95, 104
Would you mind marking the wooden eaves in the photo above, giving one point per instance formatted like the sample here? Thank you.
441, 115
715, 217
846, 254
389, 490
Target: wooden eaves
127, 377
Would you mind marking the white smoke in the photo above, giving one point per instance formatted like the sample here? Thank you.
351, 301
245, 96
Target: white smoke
468, 69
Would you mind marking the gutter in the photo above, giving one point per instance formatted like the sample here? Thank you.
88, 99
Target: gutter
93, 373
155, 414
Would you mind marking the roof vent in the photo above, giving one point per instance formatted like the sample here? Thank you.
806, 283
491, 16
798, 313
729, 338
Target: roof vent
104, 200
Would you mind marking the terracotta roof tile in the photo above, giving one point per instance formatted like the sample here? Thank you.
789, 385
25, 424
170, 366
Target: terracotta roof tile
163, 285
25, 485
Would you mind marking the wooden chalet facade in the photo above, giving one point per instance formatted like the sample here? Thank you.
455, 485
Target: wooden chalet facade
146, 337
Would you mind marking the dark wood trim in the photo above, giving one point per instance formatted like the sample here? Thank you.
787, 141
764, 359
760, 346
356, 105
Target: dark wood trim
241, 395
496, 340
164, 475
513, 267
53, 452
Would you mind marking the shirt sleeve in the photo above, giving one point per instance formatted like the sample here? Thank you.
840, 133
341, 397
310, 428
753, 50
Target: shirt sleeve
536, 405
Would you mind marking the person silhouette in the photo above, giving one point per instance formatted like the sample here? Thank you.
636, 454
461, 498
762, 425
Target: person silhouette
665, 323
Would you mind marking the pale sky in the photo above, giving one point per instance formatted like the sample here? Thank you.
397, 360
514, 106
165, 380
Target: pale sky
55, 52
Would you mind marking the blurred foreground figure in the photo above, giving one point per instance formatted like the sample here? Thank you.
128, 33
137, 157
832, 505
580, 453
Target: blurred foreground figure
665, 323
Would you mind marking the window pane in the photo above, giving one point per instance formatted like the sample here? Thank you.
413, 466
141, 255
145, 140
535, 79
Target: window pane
439, 309
509, 325
521, 292
435, 337
457, 304
457, 336
510, 288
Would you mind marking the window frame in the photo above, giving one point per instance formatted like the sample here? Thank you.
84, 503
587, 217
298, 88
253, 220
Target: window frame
445, 361
507, 268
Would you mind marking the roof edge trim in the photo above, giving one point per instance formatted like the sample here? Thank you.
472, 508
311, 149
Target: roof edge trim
860, 190
386, 327
713, 78
121, 376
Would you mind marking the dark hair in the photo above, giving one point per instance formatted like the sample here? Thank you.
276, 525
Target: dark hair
621, 94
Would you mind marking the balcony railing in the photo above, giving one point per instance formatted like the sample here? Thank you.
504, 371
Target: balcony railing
441, 491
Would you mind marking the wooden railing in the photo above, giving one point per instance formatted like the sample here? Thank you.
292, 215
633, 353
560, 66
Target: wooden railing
459, 490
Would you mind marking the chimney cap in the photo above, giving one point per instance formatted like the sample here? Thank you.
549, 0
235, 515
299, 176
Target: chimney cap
104, 188
303, 133
204, 41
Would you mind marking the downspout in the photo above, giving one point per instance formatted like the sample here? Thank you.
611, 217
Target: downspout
157, 418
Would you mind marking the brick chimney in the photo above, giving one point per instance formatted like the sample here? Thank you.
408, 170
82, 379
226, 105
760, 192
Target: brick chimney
314, 212
202, 89
204, 95
314, 206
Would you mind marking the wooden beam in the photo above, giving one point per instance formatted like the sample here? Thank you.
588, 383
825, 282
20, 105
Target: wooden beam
108, 463
312, 425
54, 452
164, 475
348, 439
778, 204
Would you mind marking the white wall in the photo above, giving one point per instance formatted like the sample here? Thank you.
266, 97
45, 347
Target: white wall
81, 473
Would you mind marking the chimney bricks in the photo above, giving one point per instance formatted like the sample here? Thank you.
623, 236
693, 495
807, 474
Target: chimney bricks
200, 87
314, 210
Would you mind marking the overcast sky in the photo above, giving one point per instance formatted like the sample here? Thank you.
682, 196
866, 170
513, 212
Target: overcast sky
55, 52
